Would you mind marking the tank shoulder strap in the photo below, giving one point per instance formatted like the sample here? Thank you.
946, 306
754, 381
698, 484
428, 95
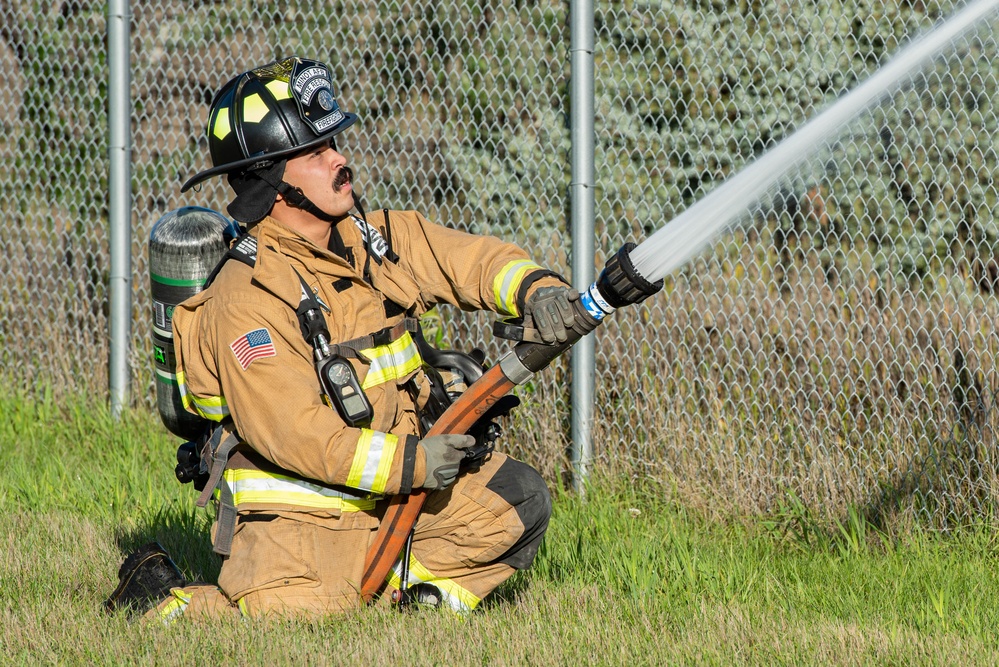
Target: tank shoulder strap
244, 249
215, 453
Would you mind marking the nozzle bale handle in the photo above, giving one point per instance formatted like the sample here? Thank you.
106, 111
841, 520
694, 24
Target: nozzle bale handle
619, 285
537, 356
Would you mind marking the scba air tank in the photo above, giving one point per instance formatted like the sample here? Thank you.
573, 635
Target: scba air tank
184, 246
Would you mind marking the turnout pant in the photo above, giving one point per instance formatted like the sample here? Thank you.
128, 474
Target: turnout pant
468, 540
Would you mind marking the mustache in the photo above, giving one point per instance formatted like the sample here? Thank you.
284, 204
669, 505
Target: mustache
344, 176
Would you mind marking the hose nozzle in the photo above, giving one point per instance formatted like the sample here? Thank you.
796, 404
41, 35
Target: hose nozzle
621, 284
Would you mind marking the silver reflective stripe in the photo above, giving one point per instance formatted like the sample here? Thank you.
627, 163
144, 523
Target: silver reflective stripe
176, 607
507, 283
259, 487
372, 462
390, 362
214, 408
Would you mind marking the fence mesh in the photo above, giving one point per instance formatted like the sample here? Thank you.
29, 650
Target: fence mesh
836, 349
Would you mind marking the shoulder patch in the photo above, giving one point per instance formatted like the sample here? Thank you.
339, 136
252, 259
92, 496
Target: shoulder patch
253, 345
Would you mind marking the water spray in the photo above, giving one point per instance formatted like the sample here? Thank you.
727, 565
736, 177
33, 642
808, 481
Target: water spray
635, 273
684, 236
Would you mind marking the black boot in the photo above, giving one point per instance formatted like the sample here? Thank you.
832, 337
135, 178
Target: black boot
144, 579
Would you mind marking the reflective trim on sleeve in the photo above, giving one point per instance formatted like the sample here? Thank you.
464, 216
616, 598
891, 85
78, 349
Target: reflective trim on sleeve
265, 488
176, 607
372, 462
506, 284
394, 361
458, 599
213, 407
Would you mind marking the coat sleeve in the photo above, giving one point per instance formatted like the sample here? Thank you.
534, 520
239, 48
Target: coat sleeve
470, 271
239, 358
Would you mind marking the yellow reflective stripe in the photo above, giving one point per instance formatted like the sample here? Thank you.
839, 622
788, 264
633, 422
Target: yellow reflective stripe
506, 284
265, 488
254, 109
176, 607
220, 124
214, 407
243, 611
279, 89
372, 462
459, 599
391, 362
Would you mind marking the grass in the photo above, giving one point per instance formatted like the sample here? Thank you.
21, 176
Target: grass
627, 575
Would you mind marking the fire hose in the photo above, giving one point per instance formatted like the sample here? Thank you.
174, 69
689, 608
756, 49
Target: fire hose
618, 285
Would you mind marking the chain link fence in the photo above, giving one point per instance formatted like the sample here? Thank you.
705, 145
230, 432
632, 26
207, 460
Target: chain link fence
838, 349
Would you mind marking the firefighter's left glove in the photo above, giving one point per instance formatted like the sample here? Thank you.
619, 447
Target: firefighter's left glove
551, 313
444, 454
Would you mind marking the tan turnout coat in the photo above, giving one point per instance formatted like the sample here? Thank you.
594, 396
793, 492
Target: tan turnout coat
272, 393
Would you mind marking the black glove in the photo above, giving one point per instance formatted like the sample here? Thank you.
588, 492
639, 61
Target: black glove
444, 455
551, 313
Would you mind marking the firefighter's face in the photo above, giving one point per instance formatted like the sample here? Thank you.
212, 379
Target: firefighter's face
323, 175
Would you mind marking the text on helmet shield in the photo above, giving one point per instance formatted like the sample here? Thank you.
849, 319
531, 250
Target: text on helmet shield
329, 121
310, 80
312, 88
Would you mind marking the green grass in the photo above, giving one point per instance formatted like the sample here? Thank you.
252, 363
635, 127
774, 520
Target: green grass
626, 576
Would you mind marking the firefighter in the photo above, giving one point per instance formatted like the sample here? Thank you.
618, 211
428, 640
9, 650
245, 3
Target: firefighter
309, 479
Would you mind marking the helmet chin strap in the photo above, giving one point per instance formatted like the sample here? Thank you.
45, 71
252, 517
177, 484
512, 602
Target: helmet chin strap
295, 198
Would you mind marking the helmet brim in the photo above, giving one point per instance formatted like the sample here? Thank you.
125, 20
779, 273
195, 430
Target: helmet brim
267, 159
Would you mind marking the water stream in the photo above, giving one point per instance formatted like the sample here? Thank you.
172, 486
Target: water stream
686, 235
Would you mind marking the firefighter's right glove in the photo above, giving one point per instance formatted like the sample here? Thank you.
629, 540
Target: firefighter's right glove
444, 454
550, 312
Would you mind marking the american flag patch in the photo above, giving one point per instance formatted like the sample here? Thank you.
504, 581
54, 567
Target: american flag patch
254, 345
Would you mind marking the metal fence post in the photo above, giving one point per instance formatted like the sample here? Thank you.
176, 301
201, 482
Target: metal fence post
582, 212
120, 202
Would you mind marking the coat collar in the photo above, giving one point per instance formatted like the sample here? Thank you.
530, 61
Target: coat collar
280, 250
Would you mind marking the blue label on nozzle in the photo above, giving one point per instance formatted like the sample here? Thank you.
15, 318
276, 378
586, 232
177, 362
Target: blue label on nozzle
595, 304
